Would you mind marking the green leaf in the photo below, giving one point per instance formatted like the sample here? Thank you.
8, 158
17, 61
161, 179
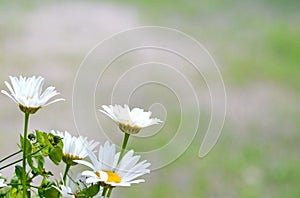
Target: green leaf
89, 192
31, 164
18, 171
28, 145
46, 189
40, 161
21, 142
51, 192
40, 137
55, 155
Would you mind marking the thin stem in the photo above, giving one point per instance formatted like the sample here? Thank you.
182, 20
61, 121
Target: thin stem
24, 177
37, 187
109, 192
125, 140
8, 165
10, 156
104, 192
66, 173
19, 160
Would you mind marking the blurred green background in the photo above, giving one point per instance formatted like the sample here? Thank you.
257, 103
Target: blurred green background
255, 43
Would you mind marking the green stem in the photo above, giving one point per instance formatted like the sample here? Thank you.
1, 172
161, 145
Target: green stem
109, 193
10, 184
125, 140
8, 165
36, 187
104, 192
66, 173
19, 160
10, 156
24, 177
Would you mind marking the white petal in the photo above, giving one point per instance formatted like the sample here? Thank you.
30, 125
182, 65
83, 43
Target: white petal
83, 162
4, 92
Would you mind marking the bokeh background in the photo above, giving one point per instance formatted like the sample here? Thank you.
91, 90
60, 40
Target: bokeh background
256, 45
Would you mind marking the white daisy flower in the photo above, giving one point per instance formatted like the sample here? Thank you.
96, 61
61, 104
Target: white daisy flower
27, 93
2, 184
75, 148
108, 172
129, 121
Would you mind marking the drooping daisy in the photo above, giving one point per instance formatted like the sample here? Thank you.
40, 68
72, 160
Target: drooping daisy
107, 172
27, 93
2, 184
75, 148
129, 121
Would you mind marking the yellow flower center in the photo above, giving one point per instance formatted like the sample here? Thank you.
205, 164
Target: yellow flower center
112, 177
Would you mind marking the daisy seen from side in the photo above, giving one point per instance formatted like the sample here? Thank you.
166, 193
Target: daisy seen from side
27, 93
129, 121
75, 148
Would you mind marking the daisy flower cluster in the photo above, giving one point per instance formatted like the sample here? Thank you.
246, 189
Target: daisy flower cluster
103, 167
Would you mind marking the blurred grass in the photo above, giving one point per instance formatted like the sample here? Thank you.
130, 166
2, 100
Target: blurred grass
276, 59
267, 33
